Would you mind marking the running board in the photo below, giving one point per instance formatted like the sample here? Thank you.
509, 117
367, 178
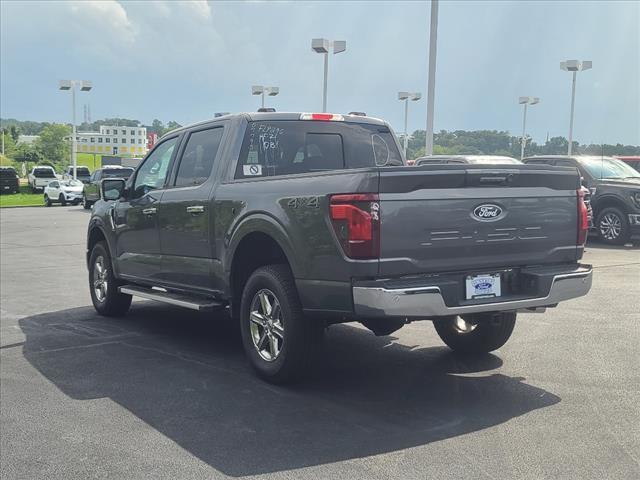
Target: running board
200, 304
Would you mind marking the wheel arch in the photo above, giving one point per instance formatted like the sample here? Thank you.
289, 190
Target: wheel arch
258, 240
608, 201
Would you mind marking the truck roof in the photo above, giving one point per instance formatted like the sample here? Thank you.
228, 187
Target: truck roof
266, 116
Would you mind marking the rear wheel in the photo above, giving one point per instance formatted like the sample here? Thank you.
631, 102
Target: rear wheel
106, 298
476, 333
278, 339
613, 227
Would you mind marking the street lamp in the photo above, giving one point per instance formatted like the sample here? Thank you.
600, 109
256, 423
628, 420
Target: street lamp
573, 66
431, 82
85, 86
526, 101
322, 45
261, 90
406, 96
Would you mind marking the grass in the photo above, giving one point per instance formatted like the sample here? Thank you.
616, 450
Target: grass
86, 159
22, 199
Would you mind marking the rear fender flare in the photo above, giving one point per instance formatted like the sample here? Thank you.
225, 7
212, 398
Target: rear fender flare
260, 223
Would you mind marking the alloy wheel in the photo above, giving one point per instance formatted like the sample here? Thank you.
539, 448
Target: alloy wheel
610, 226
100, 282
267, 330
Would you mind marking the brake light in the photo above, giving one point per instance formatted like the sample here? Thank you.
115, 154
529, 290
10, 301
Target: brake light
583, 222
327, 117
356, 221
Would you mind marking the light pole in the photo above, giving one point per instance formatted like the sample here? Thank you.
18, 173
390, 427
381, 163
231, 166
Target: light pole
322, 45
261, 90
431, 85
85, 86
573, 66
526, 101
406, 96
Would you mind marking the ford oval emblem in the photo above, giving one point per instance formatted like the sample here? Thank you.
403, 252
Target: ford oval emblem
487, 212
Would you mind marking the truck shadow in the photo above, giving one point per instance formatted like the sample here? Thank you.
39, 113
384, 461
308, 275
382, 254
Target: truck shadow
186, 376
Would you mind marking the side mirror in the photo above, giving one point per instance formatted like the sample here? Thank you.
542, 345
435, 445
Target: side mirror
112, 188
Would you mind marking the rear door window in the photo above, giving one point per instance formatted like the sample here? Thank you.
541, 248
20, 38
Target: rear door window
286, 147
198, 157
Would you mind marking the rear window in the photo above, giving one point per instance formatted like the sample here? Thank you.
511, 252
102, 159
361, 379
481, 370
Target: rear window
43, 173
286, 147
80, 171
8, 173
117, 173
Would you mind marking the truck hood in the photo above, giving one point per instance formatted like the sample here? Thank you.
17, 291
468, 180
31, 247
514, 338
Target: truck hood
628, 182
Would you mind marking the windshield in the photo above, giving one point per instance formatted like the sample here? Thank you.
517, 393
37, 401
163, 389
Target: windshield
44, 173
118, 173
609, 168
71, 183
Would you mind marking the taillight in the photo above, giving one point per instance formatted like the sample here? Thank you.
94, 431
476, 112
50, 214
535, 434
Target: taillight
583, 222
356, 221
327, 117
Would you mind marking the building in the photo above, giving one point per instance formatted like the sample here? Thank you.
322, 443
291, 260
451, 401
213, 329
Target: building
114, 140
27, 139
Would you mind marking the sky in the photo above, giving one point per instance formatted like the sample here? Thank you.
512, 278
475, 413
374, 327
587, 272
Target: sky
184, 61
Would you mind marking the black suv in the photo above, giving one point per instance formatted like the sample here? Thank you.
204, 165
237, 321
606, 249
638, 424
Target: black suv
9, 182
615, 193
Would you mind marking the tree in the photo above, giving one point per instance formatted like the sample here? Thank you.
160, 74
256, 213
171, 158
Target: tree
28, 153
54, 142
172, 126
156, 127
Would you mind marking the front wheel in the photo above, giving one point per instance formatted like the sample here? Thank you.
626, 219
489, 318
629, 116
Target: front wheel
613, 227
476, 333
85, 203
62, 200
106, 298
47, 200
278, 339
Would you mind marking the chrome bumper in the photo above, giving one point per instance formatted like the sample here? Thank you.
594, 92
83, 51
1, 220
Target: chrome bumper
427, 301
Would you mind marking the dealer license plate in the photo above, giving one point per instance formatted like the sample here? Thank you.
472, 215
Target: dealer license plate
483, 286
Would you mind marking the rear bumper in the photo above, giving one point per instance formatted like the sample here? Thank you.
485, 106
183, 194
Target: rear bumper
426, 301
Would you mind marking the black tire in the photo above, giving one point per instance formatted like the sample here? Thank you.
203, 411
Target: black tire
47, 200
62, 200
613, 226
489, 331
86, 204
299, 337
113, 303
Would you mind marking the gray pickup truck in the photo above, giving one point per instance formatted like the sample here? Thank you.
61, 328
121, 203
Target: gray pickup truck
293, 222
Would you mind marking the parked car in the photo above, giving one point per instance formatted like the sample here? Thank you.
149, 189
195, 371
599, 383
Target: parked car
91, 191
82, 173
468, 159
615, 193
633, 161
40, 177
63, 192
294, 222
9, 181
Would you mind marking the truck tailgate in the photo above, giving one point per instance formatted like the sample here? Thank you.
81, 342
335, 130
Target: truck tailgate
472, 217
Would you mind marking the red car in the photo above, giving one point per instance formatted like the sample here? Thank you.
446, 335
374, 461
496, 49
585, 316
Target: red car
634, 161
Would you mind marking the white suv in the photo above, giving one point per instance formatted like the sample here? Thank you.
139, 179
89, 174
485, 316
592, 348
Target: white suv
63, 191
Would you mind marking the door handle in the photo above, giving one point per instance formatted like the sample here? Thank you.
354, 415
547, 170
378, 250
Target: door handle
195, 209
149, 211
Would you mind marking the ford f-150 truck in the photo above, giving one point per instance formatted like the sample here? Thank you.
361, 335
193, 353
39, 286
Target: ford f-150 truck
293, 222
41, 176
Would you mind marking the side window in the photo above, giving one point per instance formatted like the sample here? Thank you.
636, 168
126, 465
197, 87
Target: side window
97, 175
198, 157
152, 173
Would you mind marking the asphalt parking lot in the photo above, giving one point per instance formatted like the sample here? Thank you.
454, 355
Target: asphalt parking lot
165, 393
